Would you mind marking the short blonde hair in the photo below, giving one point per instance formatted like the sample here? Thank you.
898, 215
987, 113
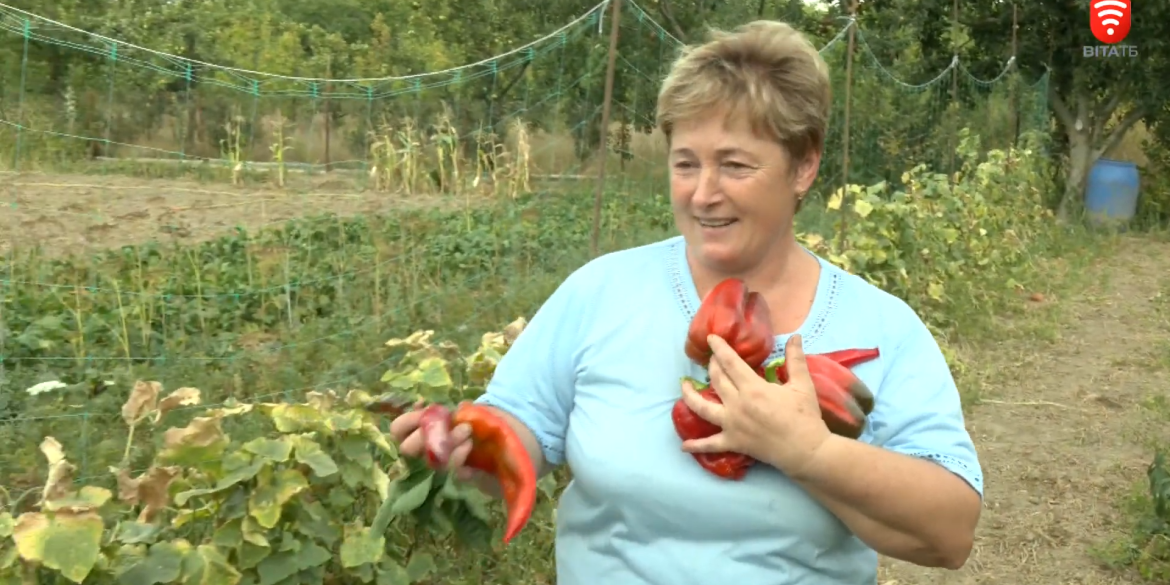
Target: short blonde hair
767, 71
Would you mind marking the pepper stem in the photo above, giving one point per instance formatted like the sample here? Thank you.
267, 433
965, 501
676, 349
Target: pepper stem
772, 369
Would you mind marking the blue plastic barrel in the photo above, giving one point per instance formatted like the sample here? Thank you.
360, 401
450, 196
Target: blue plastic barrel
1111, 193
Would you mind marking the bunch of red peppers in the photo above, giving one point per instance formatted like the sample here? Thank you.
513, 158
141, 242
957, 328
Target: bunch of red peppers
741, 318
496, 450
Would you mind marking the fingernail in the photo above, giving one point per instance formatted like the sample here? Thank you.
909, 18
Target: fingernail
797, 340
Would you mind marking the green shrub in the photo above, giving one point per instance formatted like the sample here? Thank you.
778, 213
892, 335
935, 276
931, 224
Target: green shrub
953, 249
321, 497
1154, 199
1146, 549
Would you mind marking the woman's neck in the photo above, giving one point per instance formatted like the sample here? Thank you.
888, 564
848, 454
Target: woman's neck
784, 267
787, 278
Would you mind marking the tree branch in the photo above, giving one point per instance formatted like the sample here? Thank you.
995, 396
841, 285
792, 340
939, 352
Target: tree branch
1105, 112
1062, 112
664, 10
1119, 131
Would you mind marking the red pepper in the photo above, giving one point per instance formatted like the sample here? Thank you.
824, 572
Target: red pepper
738, 316
845, 358
688, 425
845, 400
839, 410
852, 357
498, 451
733, 466
435, 425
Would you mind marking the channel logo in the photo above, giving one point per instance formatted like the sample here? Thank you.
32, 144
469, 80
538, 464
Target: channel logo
1109, 20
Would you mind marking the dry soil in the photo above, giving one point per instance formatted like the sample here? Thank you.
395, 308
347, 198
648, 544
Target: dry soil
1066, 423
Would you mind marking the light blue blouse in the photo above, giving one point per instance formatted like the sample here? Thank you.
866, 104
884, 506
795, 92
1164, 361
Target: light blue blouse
595, 374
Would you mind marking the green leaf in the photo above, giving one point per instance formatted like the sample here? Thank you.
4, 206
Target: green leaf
132, 532
162, 564
231, 479
313, 555
207, 566
392, 573
411, 492
268, 500
250, 555
432, 373
349, 420
470, 522
229, 535
360, 546
420, 567
275, 450
315, 521
357, 450
375, 436
278, 567
352, 475
309, 453
62, 541
296, 418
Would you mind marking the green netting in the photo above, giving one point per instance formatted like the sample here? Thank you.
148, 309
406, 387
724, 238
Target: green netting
306, 305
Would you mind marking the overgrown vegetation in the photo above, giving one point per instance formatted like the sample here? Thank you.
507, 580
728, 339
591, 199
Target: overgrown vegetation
250, 481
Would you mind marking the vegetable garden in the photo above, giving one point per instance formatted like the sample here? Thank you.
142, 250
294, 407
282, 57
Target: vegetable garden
209, 276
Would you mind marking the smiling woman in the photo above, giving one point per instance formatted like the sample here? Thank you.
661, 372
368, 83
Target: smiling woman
585, 385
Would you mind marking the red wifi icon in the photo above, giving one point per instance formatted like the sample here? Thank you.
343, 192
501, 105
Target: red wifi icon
1109, 20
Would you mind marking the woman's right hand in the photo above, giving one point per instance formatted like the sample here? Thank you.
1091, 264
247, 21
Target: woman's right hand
406, 432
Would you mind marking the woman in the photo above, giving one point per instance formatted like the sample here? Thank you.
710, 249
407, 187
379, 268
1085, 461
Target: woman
592, 380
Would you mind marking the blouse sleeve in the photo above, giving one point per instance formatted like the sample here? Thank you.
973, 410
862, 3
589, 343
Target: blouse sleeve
918, 411
535, 380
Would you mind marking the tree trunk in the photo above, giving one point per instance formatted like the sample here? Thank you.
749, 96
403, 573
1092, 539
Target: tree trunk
1090, 134
1081, 157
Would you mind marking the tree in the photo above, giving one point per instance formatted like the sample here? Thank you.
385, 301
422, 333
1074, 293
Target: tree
1096, 99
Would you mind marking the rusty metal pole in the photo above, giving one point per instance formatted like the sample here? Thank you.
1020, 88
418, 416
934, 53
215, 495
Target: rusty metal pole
845, 129
602, 148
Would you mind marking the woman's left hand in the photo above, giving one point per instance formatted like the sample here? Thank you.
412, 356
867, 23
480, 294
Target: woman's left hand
779, 425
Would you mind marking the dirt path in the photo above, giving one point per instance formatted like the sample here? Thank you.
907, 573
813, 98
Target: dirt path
1065, 429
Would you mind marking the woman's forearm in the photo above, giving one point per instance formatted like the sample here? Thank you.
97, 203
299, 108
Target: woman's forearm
883, 539
901, 506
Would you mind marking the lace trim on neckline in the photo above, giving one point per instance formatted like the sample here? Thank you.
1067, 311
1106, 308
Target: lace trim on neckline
824, 305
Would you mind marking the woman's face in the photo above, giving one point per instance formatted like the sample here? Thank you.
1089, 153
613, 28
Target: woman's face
733, 193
